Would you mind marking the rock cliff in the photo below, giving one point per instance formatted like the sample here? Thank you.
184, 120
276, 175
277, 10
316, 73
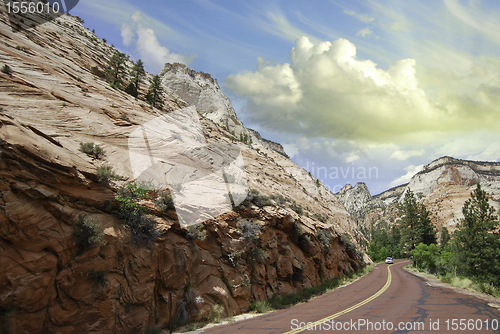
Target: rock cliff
55, 97
358, 201
443, 185
203, 91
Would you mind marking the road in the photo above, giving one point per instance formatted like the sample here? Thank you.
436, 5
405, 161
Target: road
387, 300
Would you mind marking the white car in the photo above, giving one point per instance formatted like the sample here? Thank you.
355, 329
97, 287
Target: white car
389, 260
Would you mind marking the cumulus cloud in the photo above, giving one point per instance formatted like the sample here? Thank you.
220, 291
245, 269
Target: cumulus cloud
364, 32
403, 155
137, 34
326, 91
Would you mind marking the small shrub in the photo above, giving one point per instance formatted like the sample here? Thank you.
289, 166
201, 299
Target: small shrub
279, 199
259, 255
246, 281
124, 117
249, 229
463, 283
93, 151
196, 232
306, 243
234, 256
260, 307
320, 217
88, 232
6, 69
21, 48
191, 327
106, 174
346, 240
298, 229
254, 197
164, 202
144, 230
297, 208
215, 314
324, 237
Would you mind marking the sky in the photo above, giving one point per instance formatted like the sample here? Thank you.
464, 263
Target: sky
355, 91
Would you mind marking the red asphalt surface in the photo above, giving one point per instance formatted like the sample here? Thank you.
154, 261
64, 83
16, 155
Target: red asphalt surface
408, 305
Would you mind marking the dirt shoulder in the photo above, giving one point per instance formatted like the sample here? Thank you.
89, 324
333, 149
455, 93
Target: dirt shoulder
435, 282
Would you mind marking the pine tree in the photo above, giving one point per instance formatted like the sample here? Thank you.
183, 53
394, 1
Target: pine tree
445, 238
116, 68
415, 223
477, 237
137, 73
154, 92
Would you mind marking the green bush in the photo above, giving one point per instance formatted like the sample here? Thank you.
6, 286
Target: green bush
298, 229
215, 314
426, 257
106, 174
297, 208
254, 197
93, 151
320, 217
260, 307
6, 69
164, 202
248, 229
143, 229
196, 232
88, 232
258, 255
279, 199
324, 237
346, 240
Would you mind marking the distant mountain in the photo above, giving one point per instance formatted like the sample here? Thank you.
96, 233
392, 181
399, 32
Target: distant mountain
443, 185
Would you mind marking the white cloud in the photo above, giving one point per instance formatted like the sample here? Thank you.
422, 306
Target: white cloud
403, 155
327, 91
138, 34
278, 24
361, 17
364, 32
351, 158
411, 171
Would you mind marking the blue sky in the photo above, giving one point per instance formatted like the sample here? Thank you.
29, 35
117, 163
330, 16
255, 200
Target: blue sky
349, 86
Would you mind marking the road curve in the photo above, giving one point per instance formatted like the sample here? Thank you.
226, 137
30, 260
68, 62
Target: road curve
387, 300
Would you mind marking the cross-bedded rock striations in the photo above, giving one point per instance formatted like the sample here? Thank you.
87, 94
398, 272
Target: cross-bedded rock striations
56, 97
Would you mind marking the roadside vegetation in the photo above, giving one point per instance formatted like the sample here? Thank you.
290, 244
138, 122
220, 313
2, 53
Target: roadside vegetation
469, 258
288, 300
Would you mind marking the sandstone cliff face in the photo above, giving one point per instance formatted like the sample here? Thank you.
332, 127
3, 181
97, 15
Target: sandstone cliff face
54, 99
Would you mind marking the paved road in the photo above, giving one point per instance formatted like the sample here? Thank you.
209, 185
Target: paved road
387, 300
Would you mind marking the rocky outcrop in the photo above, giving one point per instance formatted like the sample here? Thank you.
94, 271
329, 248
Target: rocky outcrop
56, 98
201, 90
358, 201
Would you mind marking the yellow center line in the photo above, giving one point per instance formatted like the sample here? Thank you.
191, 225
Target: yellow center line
336, 315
